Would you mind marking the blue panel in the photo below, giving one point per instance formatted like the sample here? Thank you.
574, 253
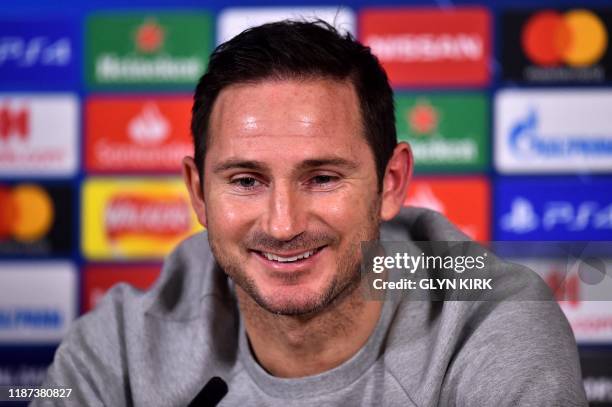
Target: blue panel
39, 53
553, 208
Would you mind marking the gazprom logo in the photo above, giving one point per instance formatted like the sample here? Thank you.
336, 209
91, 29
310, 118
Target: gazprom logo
526, 141
31, 318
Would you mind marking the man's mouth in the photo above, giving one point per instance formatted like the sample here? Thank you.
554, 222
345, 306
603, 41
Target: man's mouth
292, 258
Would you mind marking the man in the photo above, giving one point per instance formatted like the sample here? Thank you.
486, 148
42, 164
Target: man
296, 164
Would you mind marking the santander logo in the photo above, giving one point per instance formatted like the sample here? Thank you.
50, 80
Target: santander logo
150, 127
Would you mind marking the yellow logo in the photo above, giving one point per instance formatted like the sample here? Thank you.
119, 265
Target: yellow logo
135, 218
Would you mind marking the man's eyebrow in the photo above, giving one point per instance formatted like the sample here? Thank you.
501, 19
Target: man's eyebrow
234, 163
327, 161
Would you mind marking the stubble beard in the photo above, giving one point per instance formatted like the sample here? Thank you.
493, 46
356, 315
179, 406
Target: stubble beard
346, 279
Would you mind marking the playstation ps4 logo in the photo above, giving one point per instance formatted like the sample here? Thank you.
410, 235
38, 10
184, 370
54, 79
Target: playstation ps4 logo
523, 217
527, 142
34, 51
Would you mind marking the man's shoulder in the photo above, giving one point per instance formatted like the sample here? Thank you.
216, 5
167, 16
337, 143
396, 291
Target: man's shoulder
189, 281
188, 275
183, 328
513, 343
420, 224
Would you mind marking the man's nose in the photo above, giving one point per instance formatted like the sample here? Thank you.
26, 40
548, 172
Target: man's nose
285, 217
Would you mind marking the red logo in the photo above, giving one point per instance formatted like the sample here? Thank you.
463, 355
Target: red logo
564, 288
97, 280
27, 213
14, 122
149, 37
464, 200
576, 38
423, 118
139, 215
136, 134
421, 46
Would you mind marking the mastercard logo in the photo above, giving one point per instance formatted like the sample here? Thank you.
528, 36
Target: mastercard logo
26, 213
576, 38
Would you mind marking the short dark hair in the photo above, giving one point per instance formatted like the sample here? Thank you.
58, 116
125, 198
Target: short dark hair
299, 50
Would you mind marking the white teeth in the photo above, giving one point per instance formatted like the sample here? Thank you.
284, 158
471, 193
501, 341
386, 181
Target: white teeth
274, 257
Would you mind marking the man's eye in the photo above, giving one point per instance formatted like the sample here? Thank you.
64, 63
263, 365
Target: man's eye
245, 182
322, 179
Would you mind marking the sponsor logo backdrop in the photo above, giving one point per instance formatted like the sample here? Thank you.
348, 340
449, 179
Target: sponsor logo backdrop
39, 52
553, 131
39, 134
425, 47
441, 138
107, 92
559, 208
134, 218
38, 301
150, 49
137, 134
99, 278
36, 220
548, 46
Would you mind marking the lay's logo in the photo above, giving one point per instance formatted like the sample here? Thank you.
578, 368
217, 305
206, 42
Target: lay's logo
133, 215
141, 218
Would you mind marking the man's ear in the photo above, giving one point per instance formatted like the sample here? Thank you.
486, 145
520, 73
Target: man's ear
191, 177
396, 181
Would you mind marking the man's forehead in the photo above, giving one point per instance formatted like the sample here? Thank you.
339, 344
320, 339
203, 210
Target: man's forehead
305, 107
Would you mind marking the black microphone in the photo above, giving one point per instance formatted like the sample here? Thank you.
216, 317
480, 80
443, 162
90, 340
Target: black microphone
211, 394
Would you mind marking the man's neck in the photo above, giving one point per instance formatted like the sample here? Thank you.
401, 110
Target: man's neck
296, 346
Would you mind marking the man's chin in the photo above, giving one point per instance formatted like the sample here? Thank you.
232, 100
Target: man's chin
301, 300
292, 301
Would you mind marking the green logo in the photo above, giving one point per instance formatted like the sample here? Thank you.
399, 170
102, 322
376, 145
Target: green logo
133, 49
447, 132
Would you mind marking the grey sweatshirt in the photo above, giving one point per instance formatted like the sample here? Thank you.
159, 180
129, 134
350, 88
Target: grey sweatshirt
159, 348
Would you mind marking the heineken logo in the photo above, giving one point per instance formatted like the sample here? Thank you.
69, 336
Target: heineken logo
445, 130
111, 68
423, 118
149, 37
163, 48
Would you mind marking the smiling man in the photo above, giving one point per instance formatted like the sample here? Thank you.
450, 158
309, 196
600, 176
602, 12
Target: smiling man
289, 194
296, 165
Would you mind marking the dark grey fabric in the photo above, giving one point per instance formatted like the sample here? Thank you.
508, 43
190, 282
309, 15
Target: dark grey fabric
160, 347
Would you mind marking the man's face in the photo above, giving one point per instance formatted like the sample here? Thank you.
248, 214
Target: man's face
290, 191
